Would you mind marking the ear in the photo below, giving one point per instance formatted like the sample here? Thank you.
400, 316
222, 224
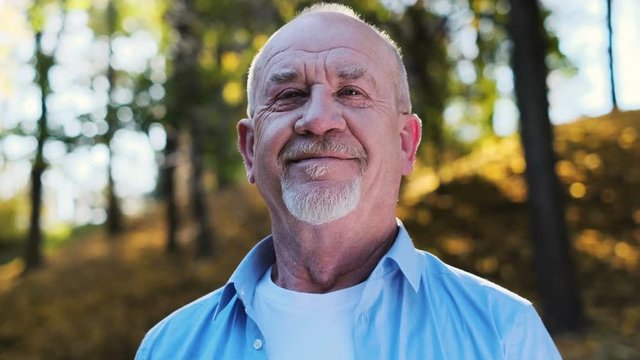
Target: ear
246, 144
410, 136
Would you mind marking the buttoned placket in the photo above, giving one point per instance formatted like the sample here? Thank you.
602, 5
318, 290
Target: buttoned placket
255, 338
363, 331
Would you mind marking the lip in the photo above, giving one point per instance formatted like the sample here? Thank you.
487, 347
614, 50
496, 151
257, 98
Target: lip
320, 157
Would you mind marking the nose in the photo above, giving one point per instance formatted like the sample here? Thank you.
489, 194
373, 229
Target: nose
322, 114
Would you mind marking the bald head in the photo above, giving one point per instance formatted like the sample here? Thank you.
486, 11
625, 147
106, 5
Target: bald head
328, 22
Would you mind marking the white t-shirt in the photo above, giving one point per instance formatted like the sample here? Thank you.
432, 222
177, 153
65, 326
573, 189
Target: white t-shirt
307, 326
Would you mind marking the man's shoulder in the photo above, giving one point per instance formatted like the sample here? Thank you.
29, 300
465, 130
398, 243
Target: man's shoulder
441, 274
197, 310
202, 307
486, 309
457, 293
181, 323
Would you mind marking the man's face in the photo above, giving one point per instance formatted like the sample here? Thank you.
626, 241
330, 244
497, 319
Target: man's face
326, 136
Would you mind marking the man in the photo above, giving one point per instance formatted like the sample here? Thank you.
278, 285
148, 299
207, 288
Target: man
329, 135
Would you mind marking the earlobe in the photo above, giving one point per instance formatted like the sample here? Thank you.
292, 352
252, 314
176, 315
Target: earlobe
410, 136
245, 145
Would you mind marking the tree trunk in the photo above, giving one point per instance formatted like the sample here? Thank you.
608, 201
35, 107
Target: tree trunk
561, 304
33, 248
189, 92
169, 193
33, 254
198, 194
612, 82
423, 40
114, 212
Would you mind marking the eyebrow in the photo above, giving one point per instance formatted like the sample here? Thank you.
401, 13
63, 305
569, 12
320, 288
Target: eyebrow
348, 73
351, 73
283, 76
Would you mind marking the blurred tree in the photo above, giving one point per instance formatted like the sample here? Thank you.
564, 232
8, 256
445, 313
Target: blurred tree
229, 43
186, 105
44, 62
422, 36
212, 48
167, 175
167, 180
612, 82
10, 232
554, 269
114, 213
120, 21
33, 253
457, 59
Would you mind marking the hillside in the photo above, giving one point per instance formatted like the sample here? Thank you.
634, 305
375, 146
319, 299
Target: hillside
98, 296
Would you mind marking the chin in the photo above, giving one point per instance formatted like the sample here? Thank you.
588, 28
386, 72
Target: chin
321, 204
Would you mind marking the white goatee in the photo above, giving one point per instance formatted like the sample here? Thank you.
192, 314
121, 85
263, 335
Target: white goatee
322, 203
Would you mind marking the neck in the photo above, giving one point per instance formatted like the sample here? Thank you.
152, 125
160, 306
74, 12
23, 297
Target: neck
329, 257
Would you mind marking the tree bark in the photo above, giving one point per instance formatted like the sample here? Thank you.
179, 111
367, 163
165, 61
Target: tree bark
425, 40
422, 32
169, 193
33, 248
189, 91
561, 306
114, 212
198, 194
612, 81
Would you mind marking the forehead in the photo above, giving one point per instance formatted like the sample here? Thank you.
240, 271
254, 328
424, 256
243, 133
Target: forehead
333, 41
338, 62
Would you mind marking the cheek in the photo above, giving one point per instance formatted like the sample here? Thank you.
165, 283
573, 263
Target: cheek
271, 136
375, 130
382, 143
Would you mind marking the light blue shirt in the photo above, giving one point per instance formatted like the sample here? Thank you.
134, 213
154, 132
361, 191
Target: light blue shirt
413, 306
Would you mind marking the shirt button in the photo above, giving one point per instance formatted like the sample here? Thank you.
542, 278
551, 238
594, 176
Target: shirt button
257, 344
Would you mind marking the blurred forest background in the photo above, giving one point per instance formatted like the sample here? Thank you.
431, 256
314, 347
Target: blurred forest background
123, 197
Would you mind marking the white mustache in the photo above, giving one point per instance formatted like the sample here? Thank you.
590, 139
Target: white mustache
323, 147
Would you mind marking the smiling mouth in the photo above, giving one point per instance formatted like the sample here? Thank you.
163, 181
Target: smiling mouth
319, 157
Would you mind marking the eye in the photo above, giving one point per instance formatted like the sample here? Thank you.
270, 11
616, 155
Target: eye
354, 97
350, 91
291, 94
289, 99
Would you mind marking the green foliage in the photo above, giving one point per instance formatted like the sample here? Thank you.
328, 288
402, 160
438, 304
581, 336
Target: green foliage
211, 84
230, 33
37, 15
58, 235
12, 213
78, 4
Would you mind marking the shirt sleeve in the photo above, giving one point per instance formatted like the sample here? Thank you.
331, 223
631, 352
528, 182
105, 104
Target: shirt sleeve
529, 339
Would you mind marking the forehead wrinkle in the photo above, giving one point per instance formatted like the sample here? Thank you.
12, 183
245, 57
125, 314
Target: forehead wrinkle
264, 64
288, 71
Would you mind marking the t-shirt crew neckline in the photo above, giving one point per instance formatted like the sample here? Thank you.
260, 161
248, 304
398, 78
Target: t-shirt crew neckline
302, 301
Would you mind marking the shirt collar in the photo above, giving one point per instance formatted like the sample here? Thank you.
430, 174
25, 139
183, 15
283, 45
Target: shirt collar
244, 279
403, 254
